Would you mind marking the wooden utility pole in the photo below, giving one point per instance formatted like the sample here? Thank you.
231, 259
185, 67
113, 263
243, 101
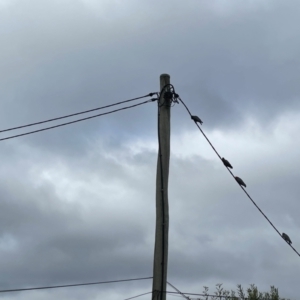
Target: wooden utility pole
162, 206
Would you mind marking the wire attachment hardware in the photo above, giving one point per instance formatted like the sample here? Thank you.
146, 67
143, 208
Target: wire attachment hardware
169, 95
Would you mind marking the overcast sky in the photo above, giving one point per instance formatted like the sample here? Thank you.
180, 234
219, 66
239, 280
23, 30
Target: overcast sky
77, 203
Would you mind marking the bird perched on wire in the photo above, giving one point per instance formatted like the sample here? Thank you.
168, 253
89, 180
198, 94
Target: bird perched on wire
197, 119
226, 163
240, 181
286, 238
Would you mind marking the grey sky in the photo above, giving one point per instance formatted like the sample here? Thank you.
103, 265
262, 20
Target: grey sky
77, 203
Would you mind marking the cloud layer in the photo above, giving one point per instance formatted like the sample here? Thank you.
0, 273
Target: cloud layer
77, 203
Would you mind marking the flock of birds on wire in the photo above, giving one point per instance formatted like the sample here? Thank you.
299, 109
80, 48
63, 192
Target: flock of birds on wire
240, 181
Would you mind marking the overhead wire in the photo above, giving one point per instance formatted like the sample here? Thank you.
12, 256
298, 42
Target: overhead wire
178, 296
72, 122
234, 178
138, 295
76, 114
177, 290
71, 285
200, 128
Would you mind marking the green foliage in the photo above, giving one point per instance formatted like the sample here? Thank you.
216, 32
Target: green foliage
251, 294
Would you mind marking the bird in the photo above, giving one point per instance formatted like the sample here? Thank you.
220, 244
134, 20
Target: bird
240, 181
226, 163
197, 119
286, 238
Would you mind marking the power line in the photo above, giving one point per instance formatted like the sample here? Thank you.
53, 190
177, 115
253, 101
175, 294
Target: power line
71, 285
184, 296
178, 296
72, 122
200, 129
75, 114
235, 179
138, 296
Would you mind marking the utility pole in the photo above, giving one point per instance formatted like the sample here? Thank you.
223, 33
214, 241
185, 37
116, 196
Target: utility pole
160, 264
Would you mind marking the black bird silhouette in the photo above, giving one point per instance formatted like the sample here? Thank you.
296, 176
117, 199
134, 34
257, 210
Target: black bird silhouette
226, 163
196, 119
240, 181
286, 238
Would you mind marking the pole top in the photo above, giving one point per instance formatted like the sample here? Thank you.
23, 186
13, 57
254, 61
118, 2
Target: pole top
164, 79
165, 75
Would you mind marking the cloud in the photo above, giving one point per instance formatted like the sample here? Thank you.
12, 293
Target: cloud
77, 203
